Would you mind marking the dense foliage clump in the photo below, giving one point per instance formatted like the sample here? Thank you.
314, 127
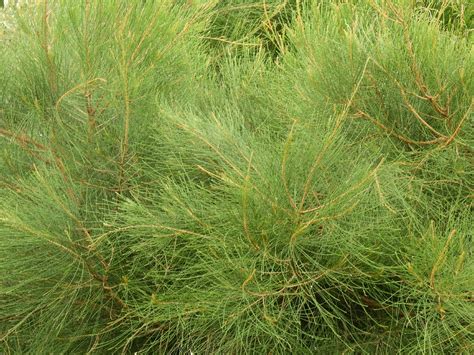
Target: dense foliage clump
237, 177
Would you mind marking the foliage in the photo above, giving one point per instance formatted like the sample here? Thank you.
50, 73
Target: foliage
454, 15
236, 177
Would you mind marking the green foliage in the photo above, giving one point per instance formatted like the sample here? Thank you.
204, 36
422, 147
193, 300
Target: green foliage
253, 24
454, 15
312, 195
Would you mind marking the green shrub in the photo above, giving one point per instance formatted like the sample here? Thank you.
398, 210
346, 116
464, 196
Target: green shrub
312, 195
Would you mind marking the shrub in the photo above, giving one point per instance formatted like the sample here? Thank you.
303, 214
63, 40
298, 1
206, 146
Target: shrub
312, 195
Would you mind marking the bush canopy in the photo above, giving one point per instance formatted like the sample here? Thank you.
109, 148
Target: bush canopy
237, 177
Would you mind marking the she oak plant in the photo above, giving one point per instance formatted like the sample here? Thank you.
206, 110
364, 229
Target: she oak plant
262, 177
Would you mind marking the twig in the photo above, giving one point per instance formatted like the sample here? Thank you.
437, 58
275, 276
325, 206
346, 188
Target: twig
440, 259
22, 139
330, 139
458, 128
283, 166
245, 205
443, 111
391, 132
